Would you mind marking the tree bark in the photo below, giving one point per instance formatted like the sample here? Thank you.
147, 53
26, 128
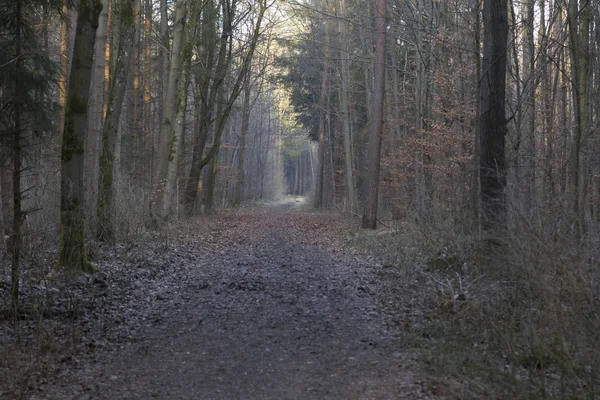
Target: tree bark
107, 56
179, 131
578, 18
476, 82
163, 56
529, 105
63, 79
374, 152
493, 119
148, 145
240, 183
162, 198
17, 162
344, 75
319, 189
133, 139
105, 226
95, 112
72, 255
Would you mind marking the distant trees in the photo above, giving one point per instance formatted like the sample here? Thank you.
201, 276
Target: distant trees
525, 105
504, 139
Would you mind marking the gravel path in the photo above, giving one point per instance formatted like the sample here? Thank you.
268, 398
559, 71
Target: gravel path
274, 308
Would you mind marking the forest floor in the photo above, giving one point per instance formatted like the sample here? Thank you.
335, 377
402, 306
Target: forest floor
257, 303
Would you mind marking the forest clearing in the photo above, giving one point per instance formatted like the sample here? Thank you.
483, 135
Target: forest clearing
301, 199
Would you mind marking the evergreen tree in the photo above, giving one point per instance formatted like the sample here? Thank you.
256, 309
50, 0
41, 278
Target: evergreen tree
26, 79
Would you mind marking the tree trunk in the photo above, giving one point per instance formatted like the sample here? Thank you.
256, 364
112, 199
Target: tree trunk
529, 105
162, 199
148, 145
323, 104
105, 226
476, 82
374, 152
72, 255
178, 134
492, 118
344, 75
164, 57
107, 56
210, 189
63, 79
95, 112
578, 18
17, 162
133, 139
239, 187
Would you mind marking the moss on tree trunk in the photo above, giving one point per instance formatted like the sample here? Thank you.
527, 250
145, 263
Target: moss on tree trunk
72, 254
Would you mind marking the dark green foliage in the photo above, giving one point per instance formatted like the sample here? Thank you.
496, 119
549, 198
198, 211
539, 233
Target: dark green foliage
35, 75
303, 66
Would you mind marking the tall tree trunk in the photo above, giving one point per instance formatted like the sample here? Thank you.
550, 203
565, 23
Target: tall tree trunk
17, 162
107, 56
72, 253
547, 108
164, 56
105, 228
578, 18
207, 88
374, 153
323, 104
148, 146
514, 63
344, 75
95, 112
239, 187
179, 130
162, 199
492, 118
63, 79
421, 108
476, 85
133, 139
529, 105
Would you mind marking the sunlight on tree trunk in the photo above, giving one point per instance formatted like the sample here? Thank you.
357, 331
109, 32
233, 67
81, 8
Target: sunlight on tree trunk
105, 225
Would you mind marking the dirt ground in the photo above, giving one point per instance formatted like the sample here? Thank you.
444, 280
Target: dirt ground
261, 303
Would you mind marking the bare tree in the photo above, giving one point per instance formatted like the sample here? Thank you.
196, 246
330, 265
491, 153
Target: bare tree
374, 153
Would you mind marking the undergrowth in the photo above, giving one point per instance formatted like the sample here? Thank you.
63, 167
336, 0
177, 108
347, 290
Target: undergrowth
524, 326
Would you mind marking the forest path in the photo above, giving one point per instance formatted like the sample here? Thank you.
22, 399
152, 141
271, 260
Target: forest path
275, 308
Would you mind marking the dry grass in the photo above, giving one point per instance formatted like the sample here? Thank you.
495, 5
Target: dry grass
524, 326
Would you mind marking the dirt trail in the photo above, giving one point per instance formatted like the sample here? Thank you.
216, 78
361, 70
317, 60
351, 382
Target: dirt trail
274, 308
